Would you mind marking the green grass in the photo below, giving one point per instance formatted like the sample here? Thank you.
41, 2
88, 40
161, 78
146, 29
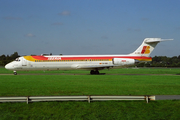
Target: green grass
94, 111
108, 72
78, 82
33, 85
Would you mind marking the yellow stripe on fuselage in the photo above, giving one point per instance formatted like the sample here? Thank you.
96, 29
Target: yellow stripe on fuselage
29, 58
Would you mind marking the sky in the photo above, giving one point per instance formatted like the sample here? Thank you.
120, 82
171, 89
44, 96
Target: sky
80, 27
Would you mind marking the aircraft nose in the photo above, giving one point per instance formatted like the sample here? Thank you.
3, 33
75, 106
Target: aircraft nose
9, 66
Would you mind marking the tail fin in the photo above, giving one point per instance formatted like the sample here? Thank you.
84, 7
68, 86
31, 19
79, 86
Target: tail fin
147, 46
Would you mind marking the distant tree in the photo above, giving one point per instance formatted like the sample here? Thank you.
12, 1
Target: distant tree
178, 57
14, 56
6, 59
141, 64
2, 60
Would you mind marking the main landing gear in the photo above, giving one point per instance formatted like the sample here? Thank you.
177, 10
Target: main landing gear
15, 73
96, 72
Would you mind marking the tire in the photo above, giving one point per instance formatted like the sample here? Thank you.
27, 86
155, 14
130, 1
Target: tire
92, 72
97, 72
15, 73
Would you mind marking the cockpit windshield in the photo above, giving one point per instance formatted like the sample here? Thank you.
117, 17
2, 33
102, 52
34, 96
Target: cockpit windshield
17, 59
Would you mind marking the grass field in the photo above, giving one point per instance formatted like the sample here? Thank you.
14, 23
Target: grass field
146, 81
108, 72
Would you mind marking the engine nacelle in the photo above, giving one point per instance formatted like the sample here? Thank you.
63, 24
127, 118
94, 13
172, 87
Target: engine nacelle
123, 61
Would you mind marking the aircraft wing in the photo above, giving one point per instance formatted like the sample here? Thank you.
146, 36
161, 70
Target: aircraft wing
91, 67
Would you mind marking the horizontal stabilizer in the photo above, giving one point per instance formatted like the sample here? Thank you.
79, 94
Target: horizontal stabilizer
151, 40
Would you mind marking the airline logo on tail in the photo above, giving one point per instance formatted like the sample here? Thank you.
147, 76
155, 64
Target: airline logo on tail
145, 50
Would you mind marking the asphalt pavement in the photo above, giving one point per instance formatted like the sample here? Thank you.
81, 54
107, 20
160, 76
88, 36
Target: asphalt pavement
167, 97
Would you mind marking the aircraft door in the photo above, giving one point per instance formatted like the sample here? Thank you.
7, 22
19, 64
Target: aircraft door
24, 62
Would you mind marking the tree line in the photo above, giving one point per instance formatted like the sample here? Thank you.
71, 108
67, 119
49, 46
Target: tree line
162, 61
157, 61
4, 59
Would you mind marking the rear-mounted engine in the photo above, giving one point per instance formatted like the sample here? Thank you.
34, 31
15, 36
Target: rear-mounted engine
123, 61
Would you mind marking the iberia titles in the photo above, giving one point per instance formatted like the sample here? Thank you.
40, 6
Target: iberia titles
54, 58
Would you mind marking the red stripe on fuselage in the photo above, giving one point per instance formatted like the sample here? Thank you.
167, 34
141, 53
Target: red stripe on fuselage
89, 57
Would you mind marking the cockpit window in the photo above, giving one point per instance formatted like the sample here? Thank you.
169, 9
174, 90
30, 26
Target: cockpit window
17, 59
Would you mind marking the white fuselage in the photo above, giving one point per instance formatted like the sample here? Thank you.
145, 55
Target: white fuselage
71, 62
90, 62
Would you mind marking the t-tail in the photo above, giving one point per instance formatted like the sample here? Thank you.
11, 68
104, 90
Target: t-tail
147, 46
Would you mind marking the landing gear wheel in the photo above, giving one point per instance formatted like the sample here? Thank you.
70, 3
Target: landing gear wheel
15, 73
97, 72
94, 72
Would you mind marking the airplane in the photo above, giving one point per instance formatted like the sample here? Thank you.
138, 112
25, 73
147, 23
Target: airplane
94, 63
